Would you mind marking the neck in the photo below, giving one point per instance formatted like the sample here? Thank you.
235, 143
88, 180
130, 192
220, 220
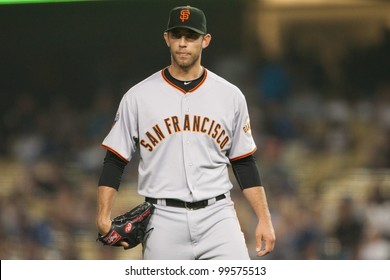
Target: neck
184, 74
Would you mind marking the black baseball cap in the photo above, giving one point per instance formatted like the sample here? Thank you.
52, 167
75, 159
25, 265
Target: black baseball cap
187, 17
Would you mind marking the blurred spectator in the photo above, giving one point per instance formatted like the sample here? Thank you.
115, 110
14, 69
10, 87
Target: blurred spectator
309, 238
274, 82
378, 212
276, 175
348, 230
374, 246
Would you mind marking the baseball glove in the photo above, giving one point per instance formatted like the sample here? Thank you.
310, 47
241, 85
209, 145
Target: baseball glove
129, 227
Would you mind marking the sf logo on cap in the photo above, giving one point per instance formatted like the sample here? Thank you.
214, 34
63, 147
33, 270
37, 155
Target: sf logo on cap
184, 15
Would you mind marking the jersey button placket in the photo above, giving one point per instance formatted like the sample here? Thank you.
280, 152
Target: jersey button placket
187, 143
187, 109
186, 104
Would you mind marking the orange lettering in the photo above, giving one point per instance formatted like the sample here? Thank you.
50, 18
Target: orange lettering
184, 15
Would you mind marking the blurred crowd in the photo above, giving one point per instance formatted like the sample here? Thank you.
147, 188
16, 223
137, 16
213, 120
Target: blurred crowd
324, 159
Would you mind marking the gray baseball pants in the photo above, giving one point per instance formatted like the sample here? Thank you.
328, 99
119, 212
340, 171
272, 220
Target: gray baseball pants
212, 232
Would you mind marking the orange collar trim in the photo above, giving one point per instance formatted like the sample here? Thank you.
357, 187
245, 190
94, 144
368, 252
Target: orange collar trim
179, 88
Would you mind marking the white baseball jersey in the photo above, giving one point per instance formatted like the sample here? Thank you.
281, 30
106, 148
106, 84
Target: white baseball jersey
186, 139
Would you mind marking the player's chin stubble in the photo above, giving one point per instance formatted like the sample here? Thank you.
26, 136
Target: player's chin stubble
187, 63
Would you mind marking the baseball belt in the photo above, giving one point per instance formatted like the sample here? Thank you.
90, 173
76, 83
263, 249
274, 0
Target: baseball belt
182, 204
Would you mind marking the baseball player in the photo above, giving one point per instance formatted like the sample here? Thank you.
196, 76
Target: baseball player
189, 126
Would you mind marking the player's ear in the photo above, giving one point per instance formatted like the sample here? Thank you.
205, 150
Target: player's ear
166, 39
206, 41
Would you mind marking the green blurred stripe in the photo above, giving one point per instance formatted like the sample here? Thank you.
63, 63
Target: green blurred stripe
40, 1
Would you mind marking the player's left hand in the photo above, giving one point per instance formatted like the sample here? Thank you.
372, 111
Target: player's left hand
265, 238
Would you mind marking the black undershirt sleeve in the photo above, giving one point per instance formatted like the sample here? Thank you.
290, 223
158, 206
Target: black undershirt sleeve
246, 172
113, 167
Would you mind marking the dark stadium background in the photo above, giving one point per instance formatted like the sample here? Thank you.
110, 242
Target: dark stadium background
317, 81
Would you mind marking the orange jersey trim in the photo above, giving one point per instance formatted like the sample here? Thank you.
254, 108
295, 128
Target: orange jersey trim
179, 88
248, 154
201, 82
115, 152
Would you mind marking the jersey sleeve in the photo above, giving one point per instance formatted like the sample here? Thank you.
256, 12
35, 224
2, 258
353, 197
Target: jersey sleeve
243, 144
123, 136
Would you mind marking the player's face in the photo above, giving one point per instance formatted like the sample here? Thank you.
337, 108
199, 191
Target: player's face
186, 46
